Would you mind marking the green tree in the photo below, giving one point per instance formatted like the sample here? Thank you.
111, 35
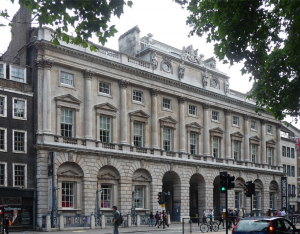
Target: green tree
85, 16
265, 36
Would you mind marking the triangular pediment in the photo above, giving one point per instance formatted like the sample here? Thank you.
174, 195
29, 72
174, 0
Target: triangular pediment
217, 130
69, 173
194, 125
254, 138
139, 113
142, 178
258, 186
68, 98
239, 184
237, 134
106, 106
108, 176
273, 187
168, 119
272, 142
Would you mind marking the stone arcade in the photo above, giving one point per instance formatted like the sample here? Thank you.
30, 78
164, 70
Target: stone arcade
143, 119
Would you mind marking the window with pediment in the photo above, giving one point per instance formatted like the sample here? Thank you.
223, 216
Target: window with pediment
141, 185
193, 130
139, 124
254, 148
236, 141
167, 128
271, 144
216, 136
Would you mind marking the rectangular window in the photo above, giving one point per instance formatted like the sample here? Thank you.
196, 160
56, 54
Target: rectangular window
2, 174
283, 151
138, 134
104, 88
137, 96
19, 141
67, 195
235, 120
1, 70
19, 108
167, 103
2, 106
66, 78
236, 150
293, 190
167, 139
272, 201
255, 201
254, 153
105, 129
19, 175
288, 152
269, 129
215, 115
106, 196
139, 197
193, 143
284, 168
292, 153
253, 124
237, 200
2, 139
288, 170
216, 147
17, 74
289, 189
270, 156
67, 123
192, 110
293, 171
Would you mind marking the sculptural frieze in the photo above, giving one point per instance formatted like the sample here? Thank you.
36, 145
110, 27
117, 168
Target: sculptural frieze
192, 55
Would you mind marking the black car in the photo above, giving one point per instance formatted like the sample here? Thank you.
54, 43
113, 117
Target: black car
263, 225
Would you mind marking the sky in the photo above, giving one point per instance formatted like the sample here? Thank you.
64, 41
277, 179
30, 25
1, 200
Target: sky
166, 20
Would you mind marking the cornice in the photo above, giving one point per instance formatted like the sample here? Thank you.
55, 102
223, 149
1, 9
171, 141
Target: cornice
146, 74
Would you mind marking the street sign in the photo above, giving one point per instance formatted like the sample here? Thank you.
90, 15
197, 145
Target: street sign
163, 207
284, 192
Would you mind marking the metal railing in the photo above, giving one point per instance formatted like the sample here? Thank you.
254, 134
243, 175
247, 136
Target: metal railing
77, 221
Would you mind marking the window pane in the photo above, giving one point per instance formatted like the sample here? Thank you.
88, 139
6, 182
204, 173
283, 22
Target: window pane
139, 197
283, 151
19, 108
66, 78
215, 115
138, 134
67, 122
106, 196
216, 147
19, 141
166, 103
17, 74
104, 88
167, 139
19, 175
105, 128
1, 71
2, 174
236, 152
253, 124
2, 107
193, 143
2, 139
67, 195
288, 152
137, 96
192, 110
270, 156
235, 120
254, 153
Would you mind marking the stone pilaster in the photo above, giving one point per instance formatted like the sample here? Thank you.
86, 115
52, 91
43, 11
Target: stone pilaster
154, 123
278, 145
227, 134
123, 110
40, 70
185, 199
47, 96
205, 130
88, 75
246, 138
125, 194
182, 132
263, 142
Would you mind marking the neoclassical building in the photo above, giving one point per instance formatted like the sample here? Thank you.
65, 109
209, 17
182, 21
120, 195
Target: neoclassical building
147, 118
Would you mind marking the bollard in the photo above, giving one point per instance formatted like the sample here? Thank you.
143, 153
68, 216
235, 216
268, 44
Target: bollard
61, 222
102, 221
138, 220
169, 218
128, 220
48, 223
92, 221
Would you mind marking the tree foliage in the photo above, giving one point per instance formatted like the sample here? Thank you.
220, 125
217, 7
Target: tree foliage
265, 36
85, 16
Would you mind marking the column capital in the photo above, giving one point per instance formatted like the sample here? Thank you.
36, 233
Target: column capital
263, 121
154, 92
206, 105
48, 63
246, 117
88, 74
43, 63
227, 111
181, 100
123, 84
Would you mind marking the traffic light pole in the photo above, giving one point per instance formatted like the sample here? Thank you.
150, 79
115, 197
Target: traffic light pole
226, 210
163, 219
251, 205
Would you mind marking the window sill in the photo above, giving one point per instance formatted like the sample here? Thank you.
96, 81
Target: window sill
105, 95
253, 130
165, 109
19, 152
19, 118
215, 121
193, 116
1, 150
236, 126
67, 86
138, 103
106, 209
68, 209
4, 116
271, 134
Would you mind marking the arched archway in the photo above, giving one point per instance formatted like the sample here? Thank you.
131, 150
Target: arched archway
197, 195
274, 196
257, 204
172, 184
218, 198
239, 196
69, 180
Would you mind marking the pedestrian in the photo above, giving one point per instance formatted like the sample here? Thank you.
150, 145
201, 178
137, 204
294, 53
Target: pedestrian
241, 214
166, 219
116, 220
221, 219
6, 224
279, 213
159, 219
204, 216
283, 212
151, 216
156, 218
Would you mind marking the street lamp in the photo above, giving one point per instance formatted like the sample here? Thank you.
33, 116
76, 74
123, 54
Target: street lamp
54, 208
133, 221
97, 208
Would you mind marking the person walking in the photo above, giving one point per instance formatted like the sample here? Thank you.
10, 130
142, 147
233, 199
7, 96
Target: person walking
156, 218
204, 216
166, 219
116, 220
221, 219
160, 219
241, 214
6, 224
151, 216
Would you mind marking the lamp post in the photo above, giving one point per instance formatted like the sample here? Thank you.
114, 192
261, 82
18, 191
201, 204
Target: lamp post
133, 214
97, 208
54, 209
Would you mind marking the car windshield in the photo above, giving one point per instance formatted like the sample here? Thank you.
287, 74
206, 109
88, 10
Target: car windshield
253, 225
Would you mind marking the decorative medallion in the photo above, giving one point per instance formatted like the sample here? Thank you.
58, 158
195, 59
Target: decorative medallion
214, 83
166, 67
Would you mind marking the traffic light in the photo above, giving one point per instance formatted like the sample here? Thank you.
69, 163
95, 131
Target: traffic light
223, 181
248, 188
167, 196
230, 182
160, 198
252, 189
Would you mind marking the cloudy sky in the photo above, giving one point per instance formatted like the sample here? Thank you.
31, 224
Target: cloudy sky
166, 20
